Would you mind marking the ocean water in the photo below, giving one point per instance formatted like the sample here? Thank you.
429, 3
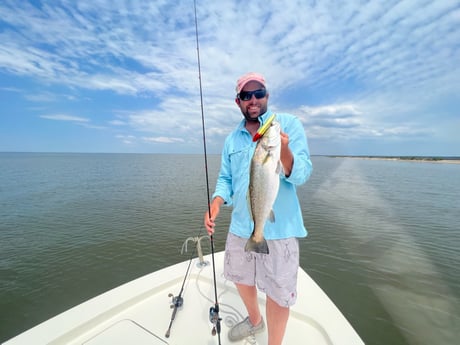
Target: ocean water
383, 236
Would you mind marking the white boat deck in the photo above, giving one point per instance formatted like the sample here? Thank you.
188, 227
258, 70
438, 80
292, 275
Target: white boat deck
139, 313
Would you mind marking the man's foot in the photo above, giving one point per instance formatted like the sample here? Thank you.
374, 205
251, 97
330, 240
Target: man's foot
245, 329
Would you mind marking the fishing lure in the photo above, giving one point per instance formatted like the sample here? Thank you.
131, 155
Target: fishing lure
264, 128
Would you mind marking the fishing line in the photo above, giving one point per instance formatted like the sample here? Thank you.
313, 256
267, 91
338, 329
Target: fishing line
214, 311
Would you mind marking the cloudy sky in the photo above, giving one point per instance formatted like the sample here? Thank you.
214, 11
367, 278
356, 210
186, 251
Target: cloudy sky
365, 77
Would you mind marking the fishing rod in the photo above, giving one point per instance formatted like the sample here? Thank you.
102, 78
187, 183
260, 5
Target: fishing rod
214, 310
178, 301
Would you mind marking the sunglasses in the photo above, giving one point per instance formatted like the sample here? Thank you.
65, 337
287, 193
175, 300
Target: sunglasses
247, 95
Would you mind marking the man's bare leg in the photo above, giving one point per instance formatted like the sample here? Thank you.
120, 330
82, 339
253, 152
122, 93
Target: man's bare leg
277, 318
249, 296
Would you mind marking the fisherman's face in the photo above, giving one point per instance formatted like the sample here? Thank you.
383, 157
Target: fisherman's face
252, 108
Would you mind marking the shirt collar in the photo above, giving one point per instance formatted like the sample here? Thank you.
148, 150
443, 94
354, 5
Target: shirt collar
264, 117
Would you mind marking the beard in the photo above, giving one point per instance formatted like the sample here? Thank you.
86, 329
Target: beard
250, 118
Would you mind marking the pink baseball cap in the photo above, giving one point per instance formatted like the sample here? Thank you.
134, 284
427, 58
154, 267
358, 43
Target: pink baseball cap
251, 76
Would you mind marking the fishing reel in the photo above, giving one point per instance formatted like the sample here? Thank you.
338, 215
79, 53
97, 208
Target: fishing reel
176, 304
215, 319
176, 301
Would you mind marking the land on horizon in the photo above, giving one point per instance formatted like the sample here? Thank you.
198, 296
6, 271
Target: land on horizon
433, 159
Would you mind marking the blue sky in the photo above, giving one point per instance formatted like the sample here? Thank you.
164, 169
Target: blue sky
364, 77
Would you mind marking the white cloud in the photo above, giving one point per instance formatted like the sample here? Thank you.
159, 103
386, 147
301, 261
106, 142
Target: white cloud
117, 123
338, 109
64, 117
371, 65
126, 139
163, 140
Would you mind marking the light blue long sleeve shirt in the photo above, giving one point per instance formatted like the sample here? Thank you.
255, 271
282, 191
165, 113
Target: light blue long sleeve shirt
233, 181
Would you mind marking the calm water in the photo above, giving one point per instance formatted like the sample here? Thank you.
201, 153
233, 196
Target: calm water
383, 236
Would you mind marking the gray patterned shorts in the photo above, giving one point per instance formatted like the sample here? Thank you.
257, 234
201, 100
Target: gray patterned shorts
275, 274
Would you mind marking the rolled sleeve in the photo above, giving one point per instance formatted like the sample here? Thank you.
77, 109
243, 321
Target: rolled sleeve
224, 181
301, 170
302, 167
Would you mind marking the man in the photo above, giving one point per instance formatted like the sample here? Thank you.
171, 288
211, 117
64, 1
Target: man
275, 273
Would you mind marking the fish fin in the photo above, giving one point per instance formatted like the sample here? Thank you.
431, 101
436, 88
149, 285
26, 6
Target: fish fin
257, 247
271, 216
248, 199
279, 168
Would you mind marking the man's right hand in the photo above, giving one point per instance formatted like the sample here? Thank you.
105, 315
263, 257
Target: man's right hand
209, 223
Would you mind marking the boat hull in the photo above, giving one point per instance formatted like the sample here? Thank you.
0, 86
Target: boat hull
138, 312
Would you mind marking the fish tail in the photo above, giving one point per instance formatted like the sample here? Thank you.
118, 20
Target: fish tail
257, 247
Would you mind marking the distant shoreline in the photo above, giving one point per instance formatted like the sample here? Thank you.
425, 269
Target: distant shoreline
419, 159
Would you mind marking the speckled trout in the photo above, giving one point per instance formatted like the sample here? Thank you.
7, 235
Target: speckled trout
264, 183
